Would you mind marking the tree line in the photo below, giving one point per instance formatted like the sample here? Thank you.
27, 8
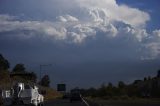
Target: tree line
149, 87
19, 74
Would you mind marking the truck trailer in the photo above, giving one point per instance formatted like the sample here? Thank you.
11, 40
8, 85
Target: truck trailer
22, 94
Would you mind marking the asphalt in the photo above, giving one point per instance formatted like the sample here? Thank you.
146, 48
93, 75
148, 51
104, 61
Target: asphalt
64, 102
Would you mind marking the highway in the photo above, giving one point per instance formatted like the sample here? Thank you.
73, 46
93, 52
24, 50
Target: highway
66, 102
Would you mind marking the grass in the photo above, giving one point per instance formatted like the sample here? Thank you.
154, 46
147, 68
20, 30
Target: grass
127, 102
50, 93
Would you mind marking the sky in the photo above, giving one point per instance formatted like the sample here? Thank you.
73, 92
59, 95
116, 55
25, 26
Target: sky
88, 42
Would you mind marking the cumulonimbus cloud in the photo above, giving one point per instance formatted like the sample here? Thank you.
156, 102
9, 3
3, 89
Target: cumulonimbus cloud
101, 9
88, 19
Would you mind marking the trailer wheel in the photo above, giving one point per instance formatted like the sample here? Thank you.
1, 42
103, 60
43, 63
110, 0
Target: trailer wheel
35, 103
21, 103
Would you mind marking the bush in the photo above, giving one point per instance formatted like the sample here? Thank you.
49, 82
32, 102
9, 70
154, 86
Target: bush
45, 81
115, 98
1, 101
106, 97
125, 97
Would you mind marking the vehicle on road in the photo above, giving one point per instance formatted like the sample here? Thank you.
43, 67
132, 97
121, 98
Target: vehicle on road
75, 95
22, 93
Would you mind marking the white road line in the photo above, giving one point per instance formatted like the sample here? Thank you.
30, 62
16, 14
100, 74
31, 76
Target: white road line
84, 101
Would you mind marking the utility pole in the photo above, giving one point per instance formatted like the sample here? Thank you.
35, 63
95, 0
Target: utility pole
41, 66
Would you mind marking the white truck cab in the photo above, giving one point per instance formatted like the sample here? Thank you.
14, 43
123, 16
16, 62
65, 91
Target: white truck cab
22, 93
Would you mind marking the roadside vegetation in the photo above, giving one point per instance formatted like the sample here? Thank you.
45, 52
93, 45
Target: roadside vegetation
50, 94
144, 92
20, 74
139, 91
128, 102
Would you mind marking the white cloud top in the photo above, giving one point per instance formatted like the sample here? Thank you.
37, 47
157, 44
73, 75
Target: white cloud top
101, 9
89, 19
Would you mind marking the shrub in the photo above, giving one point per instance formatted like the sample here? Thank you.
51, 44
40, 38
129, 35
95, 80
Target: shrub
125, 97
1, 101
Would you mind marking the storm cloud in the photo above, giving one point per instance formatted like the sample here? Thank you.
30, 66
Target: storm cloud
79, 34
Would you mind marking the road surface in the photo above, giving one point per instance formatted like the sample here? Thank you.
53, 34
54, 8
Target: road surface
66, 102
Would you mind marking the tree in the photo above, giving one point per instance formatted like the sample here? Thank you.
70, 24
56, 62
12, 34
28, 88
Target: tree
110, 85
91, 92
4, 64
121, 88
145, 79
33, 77
121, 84
45, 81
19, 68
29, 76
102, 90
158, 74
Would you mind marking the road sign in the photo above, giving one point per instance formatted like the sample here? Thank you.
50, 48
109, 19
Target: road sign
61, 87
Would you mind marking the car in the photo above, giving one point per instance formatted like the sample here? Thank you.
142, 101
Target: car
75, 96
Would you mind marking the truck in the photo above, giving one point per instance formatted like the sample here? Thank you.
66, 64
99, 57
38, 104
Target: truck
22, 94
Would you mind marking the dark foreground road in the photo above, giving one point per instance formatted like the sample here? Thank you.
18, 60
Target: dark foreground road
64, 102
